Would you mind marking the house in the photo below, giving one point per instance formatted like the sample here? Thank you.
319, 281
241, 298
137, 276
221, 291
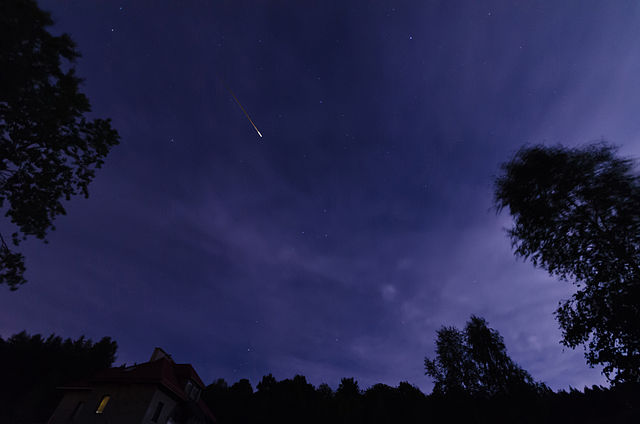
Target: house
158, 391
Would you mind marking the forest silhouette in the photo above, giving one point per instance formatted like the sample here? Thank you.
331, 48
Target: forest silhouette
33, 368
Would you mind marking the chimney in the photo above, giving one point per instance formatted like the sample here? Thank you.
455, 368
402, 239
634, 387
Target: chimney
159, 353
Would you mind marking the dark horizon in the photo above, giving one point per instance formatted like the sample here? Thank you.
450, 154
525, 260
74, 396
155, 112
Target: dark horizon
361, 222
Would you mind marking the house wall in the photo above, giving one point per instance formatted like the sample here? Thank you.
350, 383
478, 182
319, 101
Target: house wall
129, 404
167, 409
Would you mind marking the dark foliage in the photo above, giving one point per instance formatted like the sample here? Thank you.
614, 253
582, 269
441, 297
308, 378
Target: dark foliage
474, 362
296, 401
577, 215
32, 367
49, 150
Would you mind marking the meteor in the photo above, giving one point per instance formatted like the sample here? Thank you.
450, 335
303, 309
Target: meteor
245, 112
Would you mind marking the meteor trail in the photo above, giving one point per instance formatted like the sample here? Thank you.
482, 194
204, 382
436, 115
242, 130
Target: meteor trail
245, 112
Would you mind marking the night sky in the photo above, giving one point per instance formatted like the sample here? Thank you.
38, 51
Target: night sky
336, 245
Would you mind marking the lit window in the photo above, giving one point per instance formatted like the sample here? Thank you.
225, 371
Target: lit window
156, 414
103, 404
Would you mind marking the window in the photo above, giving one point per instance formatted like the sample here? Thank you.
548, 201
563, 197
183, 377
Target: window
192, 391
156, 414
189, 388
103, 404
76, 412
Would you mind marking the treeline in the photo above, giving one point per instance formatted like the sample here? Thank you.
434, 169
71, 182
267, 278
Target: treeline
295, 401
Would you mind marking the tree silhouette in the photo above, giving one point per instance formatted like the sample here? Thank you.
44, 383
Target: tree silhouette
241, 394
475, 362
49, 150
348, 401
267, 384
452, 369
295, 400
496, 372
577, 215
216, 396
324, 391
348, 389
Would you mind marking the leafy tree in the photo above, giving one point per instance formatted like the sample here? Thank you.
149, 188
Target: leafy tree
348, 389
452, 369
242, 387
267, 384
217, 397
324, 391
241, 395
576, 214
49, 150
380, 403
348, 398
475, 362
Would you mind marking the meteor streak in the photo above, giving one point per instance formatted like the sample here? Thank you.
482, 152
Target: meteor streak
245, 112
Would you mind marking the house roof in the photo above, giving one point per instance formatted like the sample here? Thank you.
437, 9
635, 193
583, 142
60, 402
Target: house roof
163, 372
173, 376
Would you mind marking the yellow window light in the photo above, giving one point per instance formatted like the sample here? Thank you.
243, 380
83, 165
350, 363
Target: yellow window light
103, 404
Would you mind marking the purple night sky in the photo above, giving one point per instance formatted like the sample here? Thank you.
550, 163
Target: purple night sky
336, 245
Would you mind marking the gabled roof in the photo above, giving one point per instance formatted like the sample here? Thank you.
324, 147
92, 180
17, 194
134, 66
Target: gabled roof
162, 372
